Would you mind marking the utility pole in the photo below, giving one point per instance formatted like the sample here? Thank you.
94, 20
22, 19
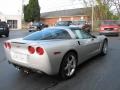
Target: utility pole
22, 11
92, 17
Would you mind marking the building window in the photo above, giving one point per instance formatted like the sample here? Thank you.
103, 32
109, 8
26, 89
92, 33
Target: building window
12, 24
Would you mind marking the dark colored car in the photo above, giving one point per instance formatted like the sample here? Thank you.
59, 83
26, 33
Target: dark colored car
63, 23
110, 27
4, 29
37, 26
82, 24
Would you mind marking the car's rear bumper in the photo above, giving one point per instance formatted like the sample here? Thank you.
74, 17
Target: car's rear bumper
17, 66
37, 68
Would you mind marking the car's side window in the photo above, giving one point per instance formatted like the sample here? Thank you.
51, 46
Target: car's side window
81, 34
85, 35
78, 34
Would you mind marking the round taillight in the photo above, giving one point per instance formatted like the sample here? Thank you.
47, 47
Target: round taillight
40, 50
5, 44
9, 45
31, 49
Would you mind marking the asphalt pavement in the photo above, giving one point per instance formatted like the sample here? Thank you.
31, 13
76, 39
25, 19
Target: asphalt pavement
98, 73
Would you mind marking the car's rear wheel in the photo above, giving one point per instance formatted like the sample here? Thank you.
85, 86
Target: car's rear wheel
68, 65
104, 49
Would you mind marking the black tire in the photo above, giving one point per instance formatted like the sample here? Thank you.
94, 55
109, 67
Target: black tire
69, 62
100, 34
117, 34
30, 31
7, 35
104, 48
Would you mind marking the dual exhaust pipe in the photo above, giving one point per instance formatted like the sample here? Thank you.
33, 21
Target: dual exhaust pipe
27, 71
24, 70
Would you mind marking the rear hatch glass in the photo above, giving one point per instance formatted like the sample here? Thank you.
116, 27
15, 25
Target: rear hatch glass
48, 34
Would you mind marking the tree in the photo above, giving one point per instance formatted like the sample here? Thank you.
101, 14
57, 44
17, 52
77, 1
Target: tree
32, 11
116, 4
26, 13
102, 8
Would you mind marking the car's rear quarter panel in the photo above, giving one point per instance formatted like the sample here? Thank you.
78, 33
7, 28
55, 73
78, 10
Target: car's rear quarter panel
61, 47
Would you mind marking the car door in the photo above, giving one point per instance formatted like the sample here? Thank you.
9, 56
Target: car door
92, 42
86, 44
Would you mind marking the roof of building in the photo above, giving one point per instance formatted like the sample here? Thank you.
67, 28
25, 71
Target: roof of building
68, 12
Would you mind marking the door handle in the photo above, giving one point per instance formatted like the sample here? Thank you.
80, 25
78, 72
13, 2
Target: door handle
79, 42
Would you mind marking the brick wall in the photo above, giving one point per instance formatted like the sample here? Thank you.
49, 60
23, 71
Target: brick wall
52, 21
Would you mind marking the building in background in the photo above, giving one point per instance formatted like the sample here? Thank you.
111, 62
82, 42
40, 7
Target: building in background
14, 21
50, 18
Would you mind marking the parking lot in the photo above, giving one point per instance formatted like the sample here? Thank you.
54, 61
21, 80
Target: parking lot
98, 73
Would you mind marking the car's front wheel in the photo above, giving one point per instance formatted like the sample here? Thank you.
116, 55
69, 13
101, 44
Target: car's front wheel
68, 65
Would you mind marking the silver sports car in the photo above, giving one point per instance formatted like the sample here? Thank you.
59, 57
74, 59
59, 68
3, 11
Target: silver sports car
55, 50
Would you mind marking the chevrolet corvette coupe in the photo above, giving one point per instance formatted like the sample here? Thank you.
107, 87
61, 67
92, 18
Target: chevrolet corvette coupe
55, 50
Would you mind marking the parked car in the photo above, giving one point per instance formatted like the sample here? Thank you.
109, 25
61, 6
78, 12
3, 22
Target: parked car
82, 24
63, 23
4, 29
109, 27
37, 26
54, 50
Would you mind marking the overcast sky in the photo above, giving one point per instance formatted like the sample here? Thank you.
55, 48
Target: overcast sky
10, 6
14, 7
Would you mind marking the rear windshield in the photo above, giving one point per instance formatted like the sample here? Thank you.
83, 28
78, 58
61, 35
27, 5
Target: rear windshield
47, 34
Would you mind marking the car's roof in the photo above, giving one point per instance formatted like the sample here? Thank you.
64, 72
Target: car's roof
65, 27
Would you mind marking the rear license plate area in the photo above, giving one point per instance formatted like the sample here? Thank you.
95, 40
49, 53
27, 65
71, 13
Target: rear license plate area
19, 57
